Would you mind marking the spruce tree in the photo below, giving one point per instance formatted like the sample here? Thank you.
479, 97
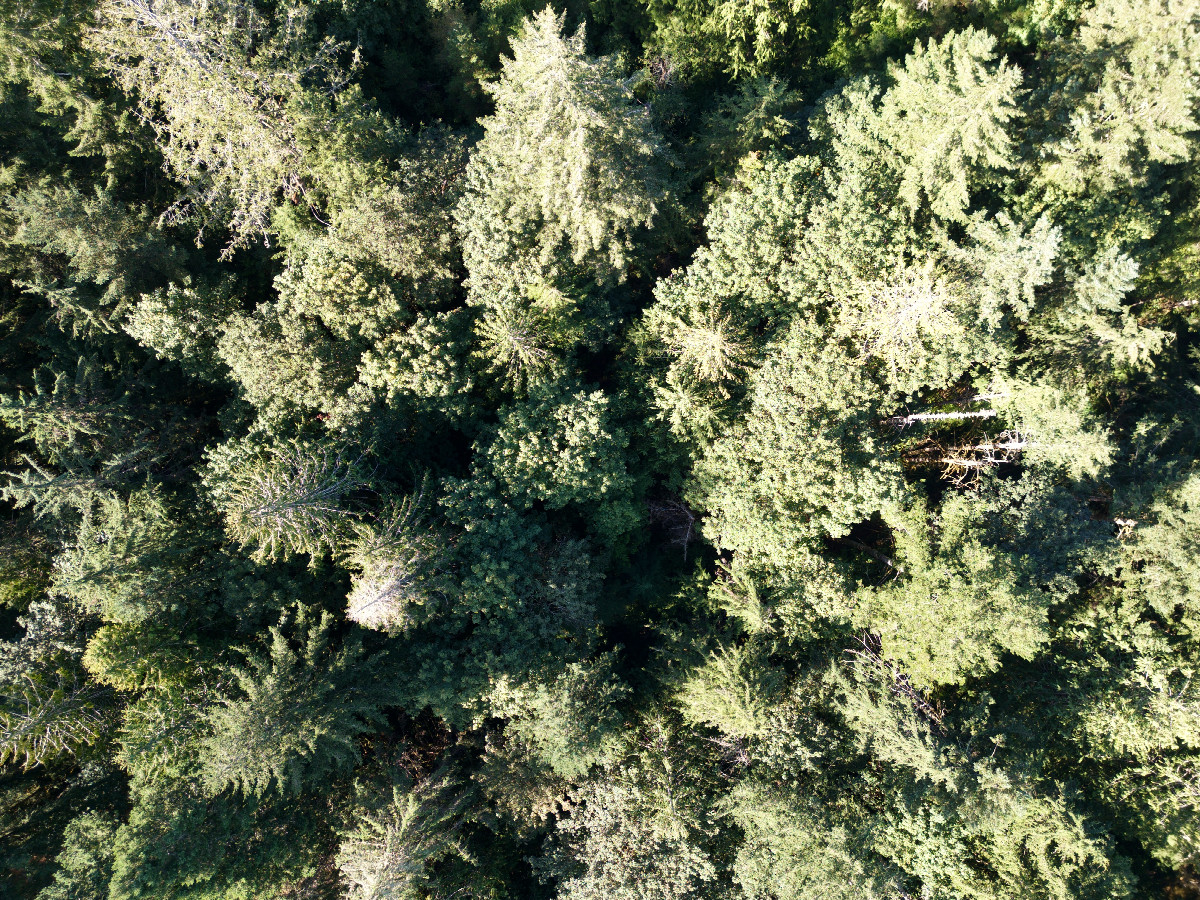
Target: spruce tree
297, 711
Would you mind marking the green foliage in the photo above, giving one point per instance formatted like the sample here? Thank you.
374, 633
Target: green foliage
62, 415
759, 118
561, 449
632, 835
45, 715
524, 793
424, 364
95, 433
524, 339
1034, 846
88, 253
571, 723
1159, 555
389, 849
131, 561
397, 556
85, 861
1132, 98
182, 323
957, 604
960, 811
782, 478
726, 692
234, 97
177, 843
791, 853
285, 499
287, 367
708, 37
567, 159
296, 714
24, 566
946, 115
699, 448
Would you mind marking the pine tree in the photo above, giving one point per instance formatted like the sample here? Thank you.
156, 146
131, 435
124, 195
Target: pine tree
65, 413
50, 713
946, 115
634, 832
569, 722
957, 604
561, 449
397, 556
85, 860
805, 463
233, 96
729, 692
1130, 93
134, 559
795, 849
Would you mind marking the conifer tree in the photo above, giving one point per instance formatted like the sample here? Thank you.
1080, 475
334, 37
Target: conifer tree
1130, 93
809, 418
956, 604
67, 413
131, 561
635, 831
1157, 556
285, 499
232, 95
569, 723
727, 692
87, 252
85, 861
47, 714
182, 323
398, 556
805, 463
562, 449
946, 115
390, 846
568, 162
297, 711
796, 850
178, 841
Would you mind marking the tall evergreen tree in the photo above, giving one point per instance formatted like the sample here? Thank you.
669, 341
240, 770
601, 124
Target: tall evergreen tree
297, 711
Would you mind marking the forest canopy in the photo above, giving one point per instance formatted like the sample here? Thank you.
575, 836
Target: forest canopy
604, 450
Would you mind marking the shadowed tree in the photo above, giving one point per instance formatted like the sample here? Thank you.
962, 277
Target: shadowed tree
297, 712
